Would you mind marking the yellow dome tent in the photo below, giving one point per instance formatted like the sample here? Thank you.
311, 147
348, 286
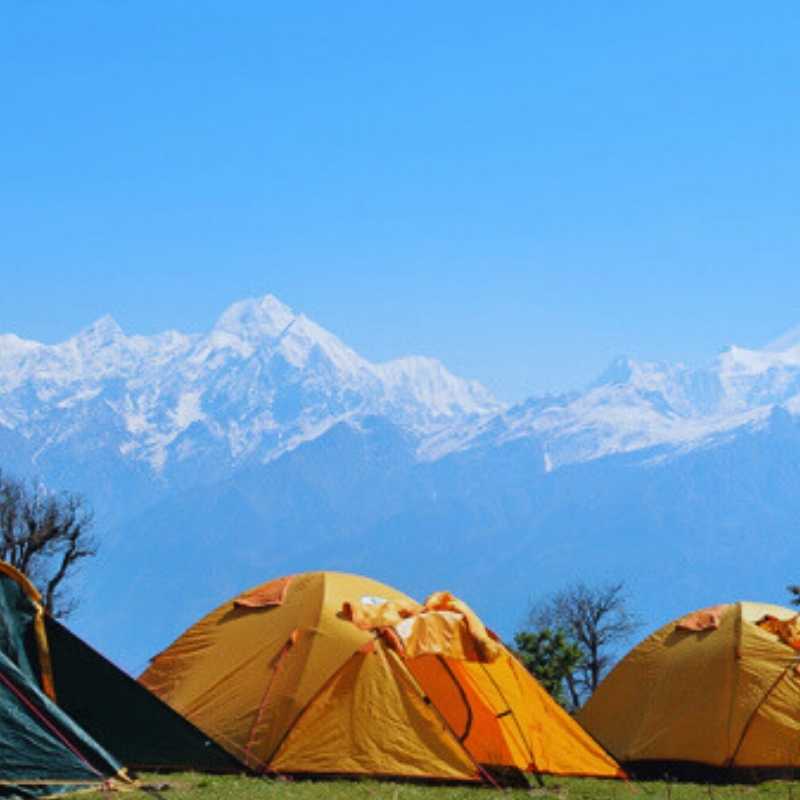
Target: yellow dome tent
714, 694
326, 673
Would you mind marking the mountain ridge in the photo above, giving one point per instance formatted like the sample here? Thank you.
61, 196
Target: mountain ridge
260, 381
264, 379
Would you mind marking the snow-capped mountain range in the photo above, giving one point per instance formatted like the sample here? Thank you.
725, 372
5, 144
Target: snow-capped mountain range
265, 379
640, 405
262, 381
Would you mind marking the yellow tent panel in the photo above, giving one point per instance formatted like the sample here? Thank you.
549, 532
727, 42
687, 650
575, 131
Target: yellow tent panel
714, 690
328, 673
399, 732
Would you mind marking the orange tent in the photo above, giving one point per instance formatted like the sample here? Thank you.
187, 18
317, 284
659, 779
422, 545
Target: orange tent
328, 673
714, 695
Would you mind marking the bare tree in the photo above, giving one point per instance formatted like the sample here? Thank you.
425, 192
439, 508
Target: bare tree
597, 620
45, 535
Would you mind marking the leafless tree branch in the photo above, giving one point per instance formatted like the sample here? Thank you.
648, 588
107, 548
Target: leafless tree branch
45, 535
597, 619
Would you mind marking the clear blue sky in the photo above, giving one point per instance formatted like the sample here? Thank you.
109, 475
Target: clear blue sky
522, 189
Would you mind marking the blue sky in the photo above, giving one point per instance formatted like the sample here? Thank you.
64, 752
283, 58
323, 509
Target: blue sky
524, 190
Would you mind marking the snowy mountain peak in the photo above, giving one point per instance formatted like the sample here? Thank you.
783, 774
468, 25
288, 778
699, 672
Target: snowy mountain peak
428, 382
256, 318
742, 361
12, 346
640, 375
620, 370
101, 332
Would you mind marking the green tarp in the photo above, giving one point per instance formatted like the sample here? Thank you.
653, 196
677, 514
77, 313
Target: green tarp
129, 720
42, 751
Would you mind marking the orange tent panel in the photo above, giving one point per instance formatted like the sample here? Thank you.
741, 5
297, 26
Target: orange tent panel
472, 720
371, 718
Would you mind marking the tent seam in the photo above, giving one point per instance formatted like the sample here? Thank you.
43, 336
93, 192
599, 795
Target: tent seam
510, 710
301, 713
415, 683
50, 726
470, 716
287, 646
737, 655
746, 729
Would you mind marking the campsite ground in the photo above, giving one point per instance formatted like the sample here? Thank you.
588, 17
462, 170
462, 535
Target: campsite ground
191, 786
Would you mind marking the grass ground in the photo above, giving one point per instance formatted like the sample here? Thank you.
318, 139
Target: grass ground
191, 786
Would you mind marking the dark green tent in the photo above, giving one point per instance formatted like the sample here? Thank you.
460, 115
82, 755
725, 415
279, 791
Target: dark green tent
141, 730
127, 718
42, 751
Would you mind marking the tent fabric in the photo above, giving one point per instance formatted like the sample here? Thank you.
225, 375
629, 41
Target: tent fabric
270, 594
108, 705
703, 620
724, 698
350, 676
119, 712
401, 735
22, 637
443, 626
787, 630
42, 750
484, 642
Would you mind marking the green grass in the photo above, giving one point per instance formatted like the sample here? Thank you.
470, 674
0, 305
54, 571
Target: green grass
192, 786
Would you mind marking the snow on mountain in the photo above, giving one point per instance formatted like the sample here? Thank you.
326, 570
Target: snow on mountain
416, 381
638, 405
759, 377
263, 380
